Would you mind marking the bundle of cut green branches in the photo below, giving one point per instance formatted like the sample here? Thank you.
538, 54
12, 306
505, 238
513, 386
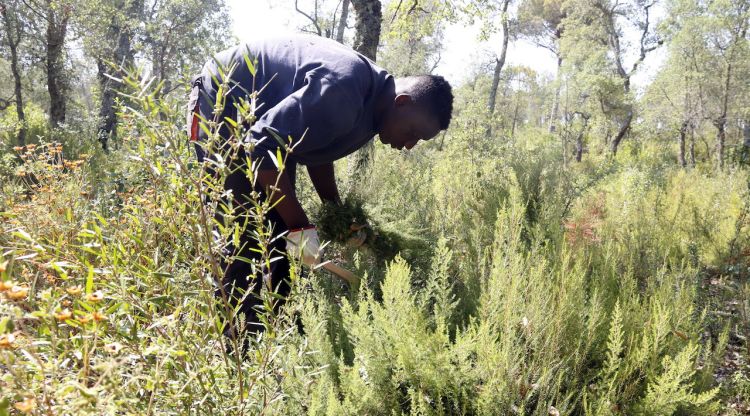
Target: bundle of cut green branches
350, 224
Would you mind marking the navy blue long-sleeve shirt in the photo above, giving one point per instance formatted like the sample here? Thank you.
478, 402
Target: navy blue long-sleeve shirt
311, 86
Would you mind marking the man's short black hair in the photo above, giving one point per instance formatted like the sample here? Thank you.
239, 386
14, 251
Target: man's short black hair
435, 93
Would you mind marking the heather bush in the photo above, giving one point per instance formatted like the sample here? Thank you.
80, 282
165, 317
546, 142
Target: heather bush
542, 288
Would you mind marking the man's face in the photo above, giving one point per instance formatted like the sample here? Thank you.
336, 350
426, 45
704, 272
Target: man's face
407, 123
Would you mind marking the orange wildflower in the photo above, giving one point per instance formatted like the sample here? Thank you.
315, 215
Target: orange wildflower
95, 297
17, 292
74, 291
98, 317
6, 285
84, 319
17, 148
6, 341
64, 315
26, 406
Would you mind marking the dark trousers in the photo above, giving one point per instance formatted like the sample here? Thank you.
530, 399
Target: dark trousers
240, 285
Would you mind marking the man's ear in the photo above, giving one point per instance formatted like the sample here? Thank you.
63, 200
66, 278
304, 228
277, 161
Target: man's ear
403, 99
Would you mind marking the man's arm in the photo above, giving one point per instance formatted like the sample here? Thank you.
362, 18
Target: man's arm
324, 181
288, 207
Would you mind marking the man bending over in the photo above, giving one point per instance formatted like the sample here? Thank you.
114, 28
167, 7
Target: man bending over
326, 101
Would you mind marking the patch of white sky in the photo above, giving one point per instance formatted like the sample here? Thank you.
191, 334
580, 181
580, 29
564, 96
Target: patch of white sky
462, 53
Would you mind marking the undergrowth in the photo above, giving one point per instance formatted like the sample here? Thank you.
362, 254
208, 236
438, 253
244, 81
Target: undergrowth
541, 289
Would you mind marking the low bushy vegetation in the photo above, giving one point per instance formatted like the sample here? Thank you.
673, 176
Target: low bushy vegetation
544, 288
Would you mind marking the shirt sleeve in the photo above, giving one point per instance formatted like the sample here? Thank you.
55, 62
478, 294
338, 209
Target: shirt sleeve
312, 117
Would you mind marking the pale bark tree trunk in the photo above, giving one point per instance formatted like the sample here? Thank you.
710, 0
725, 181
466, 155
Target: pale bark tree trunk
122, 55
342, 21
556, 99
721, 136
499, 64
579, 138
57, 28
692, 146
683, 135
13, 31
500, 60
366, 39
367, 30
721, 121
515, 115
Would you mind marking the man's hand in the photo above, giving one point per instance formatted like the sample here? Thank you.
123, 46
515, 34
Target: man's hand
304, 243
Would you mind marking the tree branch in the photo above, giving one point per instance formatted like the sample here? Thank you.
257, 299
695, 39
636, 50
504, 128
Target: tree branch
36, 12
643, 49
314, 21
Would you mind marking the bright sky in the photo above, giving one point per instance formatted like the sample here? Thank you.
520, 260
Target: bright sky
253, 18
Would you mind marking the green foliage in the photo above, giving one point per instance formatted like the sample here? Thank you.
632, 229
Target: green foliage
348, 223
538, 285
36, 125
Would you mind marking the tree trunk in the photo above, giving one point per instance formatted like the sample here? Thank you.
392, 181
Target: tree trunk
624, 128
721, 136
499, 61
579, 147
499, 64
745, 151
367, 29
579, 137
692, 146
122, 55
515, 116
13, 32
681, 153
342, 21
366, 39
556, 99
721, 122
57, 27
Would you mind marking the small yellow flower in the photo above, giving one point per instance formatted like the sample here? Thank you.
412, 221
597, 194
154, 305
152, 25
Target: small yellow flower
66, 303
6, 341
84, 319
98, 317
113, 348
17, 148
64, 315
6, 285
17, 292
31, 146
74, 291
95, 297
26, 406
